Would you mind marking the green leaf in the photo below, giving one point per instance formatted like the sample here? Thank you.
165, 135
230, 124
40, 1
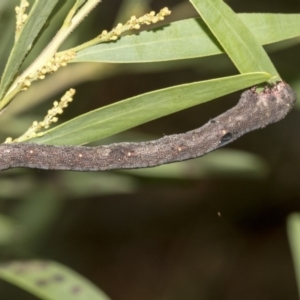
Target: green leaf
169, 42
134, 111
37, 17
236, 39
187, 39
80, 2
293, 230
50, 281
270, 28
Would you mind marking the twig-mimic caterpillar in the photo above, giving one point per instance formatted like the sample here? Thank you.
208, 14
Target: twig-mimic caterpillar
253, 111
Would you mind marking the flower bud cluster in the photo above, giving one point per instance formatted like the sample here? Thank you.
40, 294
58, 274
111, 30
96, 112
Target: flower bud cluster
21, 16
51, 117
134, 23
57, 61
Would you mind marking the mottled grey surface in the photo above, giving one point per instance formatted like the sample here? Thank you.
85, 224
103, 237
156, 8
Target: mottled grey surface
253, 111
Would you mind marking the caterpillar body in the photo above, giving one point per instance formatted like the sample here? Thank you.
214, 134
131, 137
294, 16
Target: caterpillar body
253, 111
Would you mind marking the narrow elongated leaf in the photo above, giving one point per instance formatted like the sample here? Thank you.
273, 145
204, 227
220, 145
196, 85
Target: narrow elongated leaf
236, 39
37, 17
50, 281
270, 28
293, 230
134, 111
187, 39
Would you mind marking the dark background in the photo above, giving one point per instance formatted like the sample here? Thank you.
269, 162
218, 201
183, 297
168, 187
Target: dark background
201, 230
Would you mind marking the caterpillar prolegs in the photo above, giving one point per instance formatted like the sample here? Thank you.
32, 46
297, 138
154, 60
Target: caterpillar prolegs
253, 111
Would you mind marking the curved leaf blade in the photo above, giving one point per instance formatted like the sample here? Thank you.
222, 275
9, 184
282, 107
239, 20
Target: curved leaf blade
293, 231
132, 112
236, 39
50, 281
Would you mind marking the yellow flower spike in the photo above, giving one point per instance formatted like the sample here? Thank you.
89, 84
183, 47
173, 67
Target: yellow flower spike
115, 33
21, 17
51, 117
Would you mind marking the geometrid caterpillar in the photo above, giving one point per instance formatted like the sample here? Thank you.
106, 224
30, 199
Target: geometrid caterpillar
253, 111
